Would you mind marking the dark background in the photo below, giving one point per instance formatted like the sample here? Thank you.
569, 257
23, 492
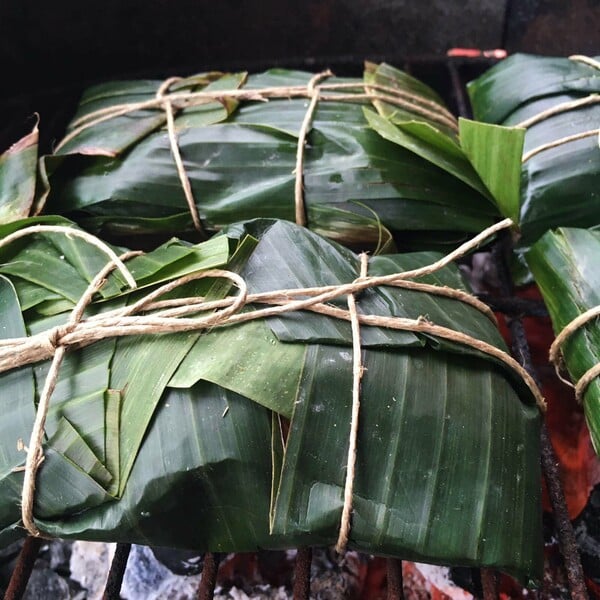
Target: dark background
51, 50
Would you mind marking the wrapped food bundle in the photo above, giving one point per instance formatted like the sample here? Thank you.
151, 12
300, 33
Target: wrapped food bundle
332, 397
557, 101
349, 158
565, 266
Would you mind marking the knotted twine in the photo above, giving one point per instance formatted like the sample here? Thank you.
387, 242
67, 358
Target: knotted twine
173, 316
561, 108
172, 102
556, 357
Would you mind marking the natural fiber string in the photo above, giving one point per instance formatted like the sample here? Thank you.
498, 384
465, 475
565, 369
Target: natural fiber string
122, 322
560, 142
428, 109
162, 95
127, 321
556, 353
72, 232
558, 109
563, 107
177, 307
357, 373
21, 351
300, 208
585, 380
586, 60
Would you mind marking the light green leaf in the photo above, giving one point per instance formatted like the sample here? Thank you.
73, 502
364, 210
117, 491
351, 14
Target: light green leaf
495, 153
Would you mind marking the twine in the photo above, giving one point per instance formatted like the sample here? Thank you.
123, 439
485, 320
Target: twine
428, 109
558, 109
560, 142
561, 108
162, 96
173, 316
172, 102
299, 170
357, 373
556, 357
70, 232
586, 60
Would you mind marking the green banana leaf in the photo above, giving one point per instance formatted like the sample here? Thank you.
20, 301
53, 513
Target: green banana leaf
18, 167
119, 176
559, 185
180, 439
485, 157
565, 266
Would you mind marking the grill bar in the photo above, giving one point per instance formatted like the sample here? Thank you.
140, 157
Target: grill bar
206, 590
24, 567
564, 529
489, 584
112, 591
458, 90
395, 589
301, 589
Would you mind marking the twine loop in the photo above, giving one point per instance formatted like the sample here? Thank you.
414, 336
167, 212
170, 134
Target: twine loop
557, 359
562, 108
586, 60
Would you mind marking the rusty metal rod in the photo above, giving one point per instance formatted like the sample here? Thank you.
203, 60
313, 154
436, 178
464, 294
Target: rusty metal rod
457, 87
564, 529
301, 589
489, 584
515, 307
25, 562
112, 591
395, 589
206, 590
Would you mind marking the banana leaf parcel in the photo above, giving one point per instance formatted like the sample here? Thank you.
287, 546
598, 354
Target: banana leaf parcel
236, 437
378, 152
557, 100
565, 266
